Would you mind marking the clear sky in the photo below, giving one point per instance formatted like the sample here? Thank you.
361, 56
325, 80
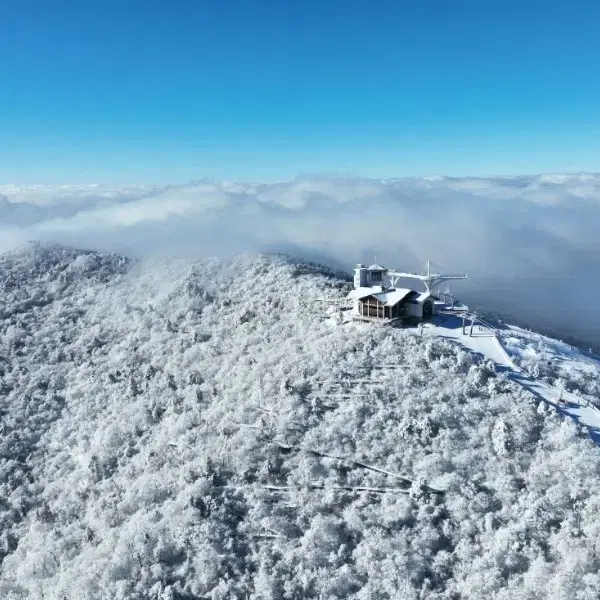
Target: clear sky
172, 90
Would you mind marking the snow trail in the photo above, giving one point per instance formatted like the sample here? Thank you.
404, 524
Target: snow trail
486, 342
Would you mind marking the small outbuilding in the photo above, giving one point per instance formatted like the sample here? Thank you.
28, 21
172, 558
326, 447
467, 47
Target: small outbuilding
421, 307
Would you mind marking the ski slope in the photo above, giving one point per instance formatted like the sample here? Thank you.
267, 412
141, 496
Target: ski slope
491, 344
483, 340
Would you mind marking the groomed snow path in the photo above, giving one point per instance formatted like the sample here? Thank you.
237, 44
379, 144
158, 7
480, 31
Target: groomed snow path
487, 342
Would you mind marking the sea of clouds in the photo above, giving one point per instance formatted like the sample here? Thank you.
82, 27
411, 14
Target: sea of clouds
530, 244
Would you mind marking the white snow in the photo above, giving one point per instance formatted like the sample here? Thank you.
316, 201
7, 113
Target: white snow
182, 429
504, 347
392, 297
363, 292
389, 297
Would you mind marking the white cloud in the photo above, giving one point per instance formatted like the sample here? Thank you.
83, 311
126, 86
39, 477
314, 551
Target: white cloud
530, 244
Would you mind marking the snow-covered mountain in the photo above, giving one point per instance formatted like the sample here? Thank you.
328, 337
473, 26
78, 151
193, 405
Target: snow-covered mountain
529, 243
194, 429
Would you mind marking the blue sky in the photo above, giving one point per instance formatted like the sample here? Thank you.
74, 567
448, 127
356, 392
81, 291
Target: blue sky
170, 91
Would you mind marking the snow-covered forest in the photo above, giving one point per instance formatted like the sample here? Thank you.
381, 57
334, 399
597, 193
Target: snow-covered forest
182, 430
527, 242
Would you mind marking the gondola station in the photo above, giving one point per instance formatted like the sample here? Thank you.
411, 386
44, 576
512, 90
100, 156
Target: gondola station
376, 295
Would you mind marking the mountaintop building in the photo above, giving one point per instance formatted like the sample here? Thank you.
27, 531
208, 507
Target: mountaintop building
375, 296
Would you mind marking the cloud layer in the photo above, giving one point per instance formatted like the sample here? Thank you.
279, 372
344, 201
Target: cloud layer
531, 245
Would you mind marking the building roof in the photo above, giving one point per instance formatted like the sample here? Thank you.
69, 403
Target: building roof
363, 292
423, 296
388, 297
392, 297
376, 268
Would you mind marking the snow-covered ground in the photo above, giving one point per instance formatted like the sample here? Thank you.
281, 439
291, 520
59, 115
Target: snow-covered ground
516, 350
554, 361
187, 429
481, 340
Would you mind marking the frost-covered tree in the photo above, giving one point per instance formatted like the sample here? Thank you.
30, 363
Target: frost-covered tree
178, 430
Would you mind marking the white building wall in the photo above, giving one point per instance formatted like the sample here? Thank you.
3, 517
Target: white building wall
432, 306
360, 276
414, 310
363, 277
384, 280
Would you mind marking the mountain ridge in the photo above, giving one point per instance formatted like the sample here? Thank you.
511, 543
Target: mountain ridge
165, 423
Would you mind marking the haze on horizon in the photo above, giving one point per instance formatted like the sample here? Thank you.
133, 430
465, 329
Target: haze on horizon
529, 244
